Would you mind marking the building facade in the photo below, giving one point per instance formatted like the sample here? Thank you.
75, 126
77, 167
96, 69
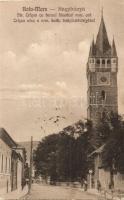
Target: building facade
16, 170
12, 163
6, 144
102, 68
100, 175
104, 176
20, 150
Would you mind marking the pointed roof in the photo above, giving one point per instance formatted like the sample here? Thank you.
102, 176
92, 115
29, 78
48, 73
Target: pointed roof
92, 49
113, 52
102, 43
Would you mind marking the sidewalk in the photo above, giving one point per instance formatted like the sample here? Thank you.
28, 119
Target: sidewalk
94, 191
102, 195
107, 195
17, 194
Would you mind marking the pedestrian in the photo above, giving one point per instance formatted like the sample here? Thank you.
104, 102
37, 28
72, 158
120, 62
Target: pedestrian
85, 185
82, 182
98, 185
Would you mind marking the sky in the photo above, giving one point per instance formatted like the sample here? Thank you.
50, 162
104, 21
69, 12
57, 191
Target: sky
43, 66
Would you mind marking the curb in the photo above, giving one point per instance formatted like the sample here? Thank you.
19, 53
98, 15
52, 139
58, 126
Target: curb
12, 196
24, 195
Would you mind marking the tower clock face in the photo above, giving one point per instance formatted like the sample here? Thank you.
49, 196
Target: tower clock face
103, 78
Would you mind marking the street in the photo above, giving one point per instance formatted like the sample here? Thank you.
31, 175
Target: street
58, 192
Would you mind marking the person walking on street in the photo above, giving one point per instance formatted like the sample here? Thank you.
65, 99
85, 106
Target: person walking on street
85, 185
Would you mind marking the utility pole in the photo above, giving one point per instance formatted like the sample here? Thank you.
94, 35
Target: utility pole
31, 163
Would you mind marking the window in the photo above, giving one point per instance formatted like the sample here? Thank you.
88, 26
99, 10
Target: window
108, 61
103, 115
2, 164
6, 165
103, 95
98, 61
9, 165
103, 62
91, 60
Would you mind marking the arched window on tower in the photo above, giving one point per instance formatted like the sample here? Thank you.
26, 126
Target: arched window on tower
103, 95
98, 61
103, 115
109, 62
103, 62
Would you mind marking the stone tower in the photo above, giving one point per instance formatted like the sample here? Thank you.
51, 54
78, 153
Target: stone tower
102, 68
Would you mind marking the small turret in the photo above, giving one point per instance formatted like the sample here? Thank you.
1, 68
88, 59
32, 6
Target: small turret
113, 50
92, 49
114, 58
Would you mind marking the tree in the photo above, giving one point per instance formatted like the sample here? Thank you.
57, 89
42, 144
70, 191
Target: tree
45, 156
63, 156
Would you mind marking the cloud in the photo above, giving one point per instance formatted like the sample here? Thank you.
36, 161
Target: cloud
33, 91
61, 84
83, 46
8, 59
45, 68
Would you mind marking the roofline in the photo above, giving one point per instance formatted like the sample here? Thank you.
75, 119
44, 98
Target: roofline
17, 154
4, 132
97, 151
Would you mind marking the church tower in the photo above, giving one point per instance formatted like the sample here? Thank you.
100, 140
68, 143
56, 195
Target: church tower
102, 68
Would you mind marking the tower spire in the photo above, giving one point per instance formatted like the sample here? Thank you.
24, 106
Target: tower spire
102, 42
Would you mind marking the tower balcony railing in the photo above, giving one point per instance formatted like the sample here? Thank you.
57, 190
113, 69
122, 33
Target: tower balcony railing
101, 102
99, 69
106, 66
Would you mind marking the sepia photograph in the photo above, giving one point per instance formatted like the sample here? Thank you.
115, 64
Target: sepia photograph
62, 100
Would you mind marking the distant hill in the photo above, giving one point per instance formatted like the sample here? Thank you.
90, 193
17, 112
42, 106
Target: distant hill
27, 146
